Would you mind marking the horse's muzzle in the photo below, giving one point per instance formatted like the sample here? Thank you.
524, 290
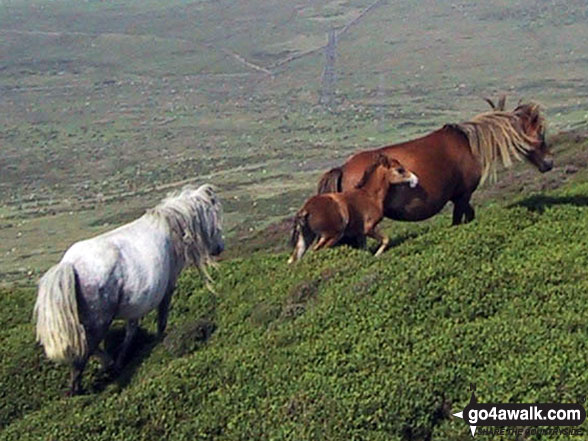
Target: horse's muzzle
218, 249
414, 181
546, 165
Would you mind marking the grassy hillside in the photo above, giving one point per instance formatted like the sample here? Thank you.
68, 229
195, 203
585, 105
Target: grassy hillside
341, 346
106, 105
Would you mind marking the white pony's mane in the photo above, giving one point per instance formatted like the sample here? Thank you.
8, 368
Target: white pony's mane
193, 217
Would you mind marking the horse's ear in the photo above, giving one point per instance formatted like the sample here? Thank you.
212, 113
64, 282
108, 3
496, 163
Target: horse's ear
502, 102
489, 101
383, 160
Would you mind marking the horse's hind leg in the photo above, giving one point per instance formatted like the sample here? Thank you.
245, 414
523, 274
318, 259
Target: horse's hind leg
75, 383
78, 366
130, 331
96, 319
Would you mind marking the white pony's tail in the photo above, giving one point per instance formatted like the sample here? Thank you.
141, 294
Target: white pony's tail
56, 312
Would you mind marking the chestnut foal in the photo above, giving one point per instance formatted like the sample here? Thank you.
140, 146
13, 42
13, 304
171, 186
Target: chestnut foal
354, 214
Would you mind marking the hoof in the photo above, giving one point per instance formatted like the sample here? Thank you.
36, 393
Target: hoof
115, 370
72, 393
110, 371
379, 252
107, 368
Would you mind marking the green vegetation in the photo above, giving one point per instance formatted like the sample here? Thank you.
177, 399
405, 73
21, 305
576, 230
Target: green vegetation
105, 106
342, 346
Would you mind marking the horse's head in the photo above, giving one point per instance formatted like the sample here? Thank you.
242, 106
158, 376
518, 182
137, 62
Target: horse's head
217, 242
214, 226
398, 174
218, 245
532, 124
384, 172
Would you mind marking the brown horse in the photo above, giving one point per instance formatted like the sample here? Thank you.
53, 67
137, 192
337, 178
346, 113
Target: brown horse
354, 213
452, 161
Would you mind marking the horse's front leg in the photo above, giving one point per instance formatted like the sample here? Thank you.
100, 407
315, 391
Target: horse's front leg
320, 243
462, 209
105, 359
328, 241
130, 331
162, 312
469, 213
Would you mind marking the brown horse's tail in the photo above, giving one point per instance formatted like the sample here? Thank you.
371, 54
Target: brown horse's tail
331, 181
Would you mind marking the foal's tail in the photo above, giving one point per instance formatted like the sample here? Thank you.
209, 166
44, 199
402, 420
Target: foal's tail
56, 312
331, 181
300, 226
302, 235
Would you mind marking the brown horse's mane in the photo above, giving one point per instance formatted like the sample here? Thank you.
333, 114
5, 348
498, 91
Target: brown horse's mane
499, 135
380, 160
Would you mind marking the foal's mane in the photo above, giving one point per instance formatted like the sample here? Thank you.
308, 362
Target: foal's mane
380, 160
193, 217
499, 135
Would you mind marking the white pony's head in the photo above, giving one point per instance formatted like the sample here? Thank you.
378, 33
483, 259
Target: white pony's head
212, 224
194, 218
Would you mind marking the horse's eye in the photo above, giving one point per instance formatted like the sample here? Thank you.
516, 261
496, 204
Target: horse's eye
400, 170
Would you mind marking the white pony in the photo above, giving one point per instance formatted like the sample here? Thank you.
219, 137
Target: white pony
124, 274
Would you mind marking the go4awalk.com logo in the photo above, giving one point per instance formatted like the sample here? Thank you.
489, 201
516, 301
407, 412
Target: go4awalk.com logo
502, 418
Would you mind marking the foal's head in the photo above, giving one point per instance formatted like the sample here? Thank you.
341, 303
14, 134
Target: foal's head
385, 172
397, 174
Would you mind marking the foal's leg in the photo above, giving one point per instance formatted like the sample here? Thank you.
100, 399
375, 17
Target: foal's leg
130, 331
381, 238
162, 312
321, 243
326, 241
332, 241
